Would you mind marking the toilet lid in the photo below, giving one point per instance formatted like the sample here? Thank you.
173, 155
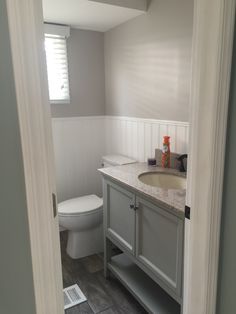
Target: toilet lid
80, 205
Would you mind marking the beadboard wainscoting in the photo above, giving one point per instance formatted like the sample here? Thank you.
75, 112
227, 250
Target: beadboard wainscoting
79, 146
80, 143
138, 138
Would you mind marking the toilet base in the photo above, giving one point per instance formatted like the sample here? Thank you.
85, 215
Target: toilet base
84, 243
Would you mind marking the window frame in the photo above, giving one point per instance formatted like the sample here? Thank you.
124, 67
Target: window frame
60, 31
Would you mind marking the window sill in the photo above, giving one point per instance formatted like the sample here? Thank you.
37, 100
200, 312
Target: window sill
59, 102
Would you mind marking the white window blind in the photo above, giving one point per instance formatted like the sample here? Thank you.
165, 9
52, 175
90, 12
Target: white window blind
57, 68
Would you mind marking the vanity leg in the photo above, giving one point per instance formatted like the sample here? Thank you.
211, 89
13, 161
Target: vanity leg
107, 256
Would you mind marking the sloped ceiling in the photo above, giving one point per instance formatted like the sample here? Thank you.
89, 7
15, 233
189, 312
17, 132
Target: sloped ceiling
97, 15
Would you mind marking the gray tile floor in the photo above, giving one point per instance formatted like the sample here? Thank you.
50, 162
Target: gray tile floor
104, 296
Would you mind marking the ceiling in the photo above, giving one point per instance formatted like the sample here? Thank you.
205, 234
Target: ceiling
86, 14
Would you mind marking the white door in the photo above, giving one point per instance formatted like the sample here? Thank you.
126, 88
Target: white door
27, 44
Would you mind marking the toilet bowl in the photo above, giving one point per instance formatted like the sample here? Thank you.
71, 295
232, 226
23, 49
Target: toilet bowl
82, 217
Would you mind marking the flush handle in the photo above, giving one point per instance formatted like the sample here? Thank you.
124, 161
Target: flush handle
54, 204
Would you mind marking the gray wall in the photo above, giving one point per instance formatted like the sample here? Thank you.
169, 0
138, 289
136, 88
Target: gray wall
86, 75
147, 63
227, 270
16, 281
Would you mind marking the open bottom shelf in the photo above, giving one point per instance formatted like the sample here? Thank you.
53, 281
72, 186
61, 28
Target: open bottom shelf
153, 298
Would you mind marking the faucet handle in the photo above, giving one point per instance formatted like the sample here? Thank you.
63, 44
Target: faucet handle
181, 160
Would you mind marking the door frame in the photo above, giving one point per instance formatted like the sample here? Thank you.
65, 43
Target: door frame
211, 64
213, 31
25, 20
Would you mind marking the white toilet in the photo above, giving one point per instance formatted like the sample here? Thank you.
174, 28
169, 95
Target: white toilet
83, 217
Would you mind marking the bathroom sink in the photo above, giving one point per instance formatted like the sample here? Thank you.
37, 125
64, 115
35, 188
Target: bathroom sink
163, 180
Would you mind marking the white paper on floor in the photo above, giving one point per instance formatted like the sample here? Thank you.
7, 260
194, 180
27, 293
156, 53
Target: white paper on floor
73, 296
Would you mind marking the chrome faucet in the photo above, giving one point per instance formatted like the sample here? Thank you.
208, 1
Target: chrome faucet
181, 160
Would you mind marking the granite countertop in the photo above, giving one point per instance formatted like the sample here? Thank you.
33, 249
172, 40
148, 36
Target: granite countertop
170, 199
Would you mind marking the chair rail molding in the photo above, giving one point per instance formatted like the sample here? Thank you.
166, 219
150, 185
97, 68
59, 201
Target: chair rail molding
211, 67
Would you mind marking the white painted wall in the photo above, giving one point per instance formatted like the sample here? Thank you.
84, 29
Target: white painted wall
80, 143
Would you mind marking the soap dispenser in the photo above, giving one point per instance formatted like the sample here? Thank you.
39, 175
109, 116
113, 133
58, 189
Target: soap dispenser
165, 161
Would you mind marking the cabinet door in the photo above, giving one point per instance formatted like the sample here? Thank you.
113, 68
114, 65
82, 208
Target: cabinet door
159, 244
119, 217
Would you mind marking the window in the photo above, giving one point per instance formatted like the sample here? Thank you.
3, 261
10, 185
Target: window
57, 65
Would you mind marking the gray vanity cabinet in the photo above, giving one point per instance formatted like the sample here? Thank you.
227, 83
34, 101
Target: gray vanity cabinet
151, 236
119, 216
159, 243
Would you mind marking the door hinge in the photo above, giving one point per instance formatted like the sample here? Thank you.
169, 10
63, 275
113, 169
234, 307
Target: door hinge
132, 206
187, 212
54, 204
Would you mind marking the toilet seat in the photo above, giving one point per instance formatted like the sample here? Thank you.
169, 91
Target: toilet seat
83, 205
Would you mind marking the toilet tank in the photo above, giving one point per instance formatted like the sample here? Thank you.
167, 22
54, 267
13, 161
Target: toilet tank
116, 160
